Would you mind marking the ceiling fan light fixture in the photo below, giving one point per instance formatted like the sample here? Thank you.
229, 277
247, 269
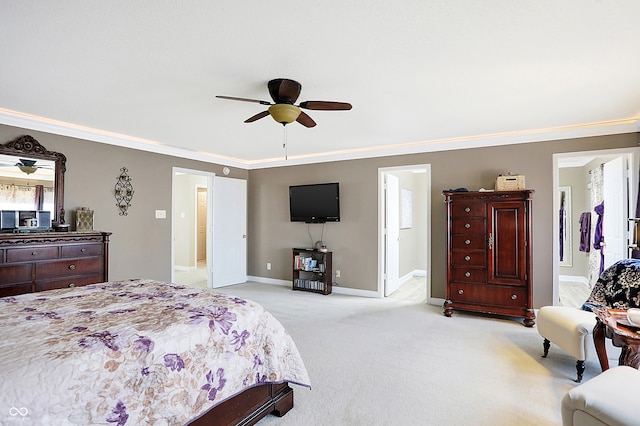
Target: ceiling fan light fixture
27, 169
284, 113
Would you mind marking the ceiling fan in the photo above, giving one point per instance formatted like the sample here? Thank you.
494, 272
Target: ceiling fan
284, 93
26, 166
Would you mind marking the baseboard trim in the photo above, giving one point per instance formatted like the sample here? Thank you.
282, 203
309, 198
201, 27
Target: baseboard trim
574, 279
335, 289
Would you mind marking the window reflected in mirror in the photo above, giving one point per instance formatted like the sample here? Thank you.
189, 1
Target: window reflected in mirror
26, 183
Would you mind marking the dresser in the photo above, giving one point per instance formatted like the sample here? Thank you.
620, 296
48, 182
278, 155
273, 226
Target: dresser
489, 253
51, 260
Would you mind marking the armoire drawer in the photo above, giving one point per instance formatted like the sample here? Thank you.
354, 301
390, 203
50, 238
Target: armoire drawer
489, 295
469, 275
29, 254
468, 225
469, 258
468, 242
464, 209
68, 282
81, 250
68, 267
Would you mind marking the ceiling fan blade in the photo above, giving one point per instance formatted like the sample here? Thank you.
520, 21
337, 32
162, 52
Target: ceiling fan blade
233, 98
305, 120
325, 105
284, 91
258, 116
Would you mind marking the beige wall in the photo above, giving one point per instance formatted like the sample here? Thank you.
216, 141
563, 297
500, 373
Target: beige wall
140, 245
354, 240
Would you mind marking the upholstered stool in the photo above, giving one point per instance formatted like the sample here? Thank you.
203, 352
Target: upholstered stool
610, 398
569, 328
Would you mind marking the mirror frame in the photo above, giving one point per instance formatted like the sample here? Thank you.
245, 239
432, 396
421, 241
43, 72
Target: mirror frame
27, 146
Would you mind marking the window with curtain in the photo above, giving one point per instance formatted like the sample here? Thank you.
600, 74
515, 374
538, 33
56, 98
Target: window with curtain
22, 197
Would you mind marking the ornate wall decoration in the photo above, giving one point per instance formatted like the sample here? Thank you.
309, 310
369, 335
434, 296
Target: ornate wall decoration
123, 191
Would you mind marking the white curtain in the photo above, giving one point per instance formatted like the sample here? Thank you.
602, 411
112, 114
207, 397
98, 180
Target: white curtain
597, 196
19, 197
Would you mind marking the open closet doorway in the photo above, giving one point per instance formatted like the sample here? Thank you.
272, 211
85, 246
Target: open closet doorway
584, 185
404, 243
191, 219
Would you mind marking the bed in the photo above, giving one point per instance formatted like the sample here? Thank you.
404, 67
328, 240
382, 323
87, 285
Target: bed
142, 352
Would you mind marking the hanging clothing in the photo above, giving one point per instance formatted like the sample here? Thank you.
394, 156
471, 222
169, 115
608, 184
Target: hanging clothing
561, 234
598, 238
585, 232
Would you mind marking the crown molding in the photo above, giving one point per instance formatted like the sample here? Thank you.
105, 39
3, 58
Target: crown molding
32, 122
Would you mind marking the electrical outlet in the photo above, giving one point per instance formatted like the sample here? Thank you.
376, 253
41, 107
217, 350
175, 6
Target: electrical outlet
337, 273
268, 266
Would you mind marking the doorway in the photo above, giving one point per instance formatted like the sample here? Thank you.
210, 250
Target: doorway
404, 244
191, 218
582, 181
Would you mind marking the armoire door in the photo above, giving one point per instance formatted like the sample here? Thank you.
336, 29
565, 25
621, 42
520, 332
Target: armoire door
507, 243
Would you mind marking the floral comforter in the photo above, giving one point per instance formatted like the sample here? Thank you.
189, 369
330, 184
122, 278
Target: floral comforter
135, 353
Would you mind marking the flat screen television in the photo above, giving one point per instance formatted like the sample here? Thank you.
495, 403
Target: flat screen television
316, 203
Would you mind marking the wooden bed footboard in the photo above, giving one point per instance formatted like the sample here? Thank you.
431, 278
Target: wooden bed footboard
249, 407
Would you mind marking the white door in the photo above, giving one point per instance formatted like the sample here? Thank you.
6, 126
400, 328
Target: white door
392, 215
615, 221
229, 232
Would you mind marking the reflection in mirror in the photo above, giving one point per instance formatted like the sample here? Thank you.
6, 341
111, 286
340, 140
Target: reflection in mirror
32, 178
27, 184
566, 243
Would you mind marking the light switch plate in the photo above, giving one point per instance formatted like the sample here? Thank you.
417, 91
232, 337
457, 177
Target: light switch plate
161, 214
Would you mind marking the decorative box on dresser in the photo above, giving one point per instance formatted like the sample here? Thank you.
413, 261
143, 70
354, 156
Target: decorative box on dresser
31, 262
489, 253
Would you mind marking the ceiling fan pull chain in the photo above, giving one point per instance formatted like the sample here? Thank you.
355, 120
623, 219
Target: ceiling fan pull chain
284, 145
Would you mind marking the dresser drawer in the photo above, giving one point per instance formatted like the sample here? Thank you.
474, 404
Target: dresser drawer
68, 282
29, 254
468, 242
468, 225
69, 267
13, 274
489, 295
462, 209
469, 275
466, 258
81, 250
15, 289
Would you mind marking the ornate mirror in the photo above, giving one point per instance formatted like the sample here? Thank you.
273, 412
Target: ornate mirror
24, 163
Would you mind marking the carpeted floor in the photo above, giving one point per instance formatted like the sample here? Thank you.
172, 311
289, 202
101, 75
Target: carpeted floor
394, 362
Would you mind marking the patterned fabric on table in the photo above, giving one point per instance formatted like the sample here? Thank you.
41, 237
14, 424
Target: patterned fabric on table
137, 352
618, 286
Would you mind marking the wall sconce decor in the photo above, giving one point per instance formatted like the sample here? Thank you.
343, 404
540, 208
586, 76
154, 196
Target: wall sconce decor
123, 192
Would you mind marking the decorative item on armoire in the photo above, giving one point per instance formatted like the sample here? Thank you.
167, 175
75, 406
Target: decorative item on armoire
123, 191
84, 219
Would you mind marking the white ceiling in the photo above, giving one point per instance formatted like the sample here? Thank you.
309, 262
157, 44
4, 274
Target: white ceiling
421, 75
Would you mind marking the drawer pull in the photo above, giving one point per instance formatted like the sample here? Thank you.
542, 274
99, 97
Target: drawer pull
467, 242
514, 297
460, 291
71, 285
34, 253
467, 225
467, 209
467, 274
467, 258
72, 266
82, 250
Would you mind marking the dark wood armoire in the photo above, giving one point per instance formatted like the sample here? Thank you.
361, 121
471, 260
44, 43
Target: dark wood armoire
489, 253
